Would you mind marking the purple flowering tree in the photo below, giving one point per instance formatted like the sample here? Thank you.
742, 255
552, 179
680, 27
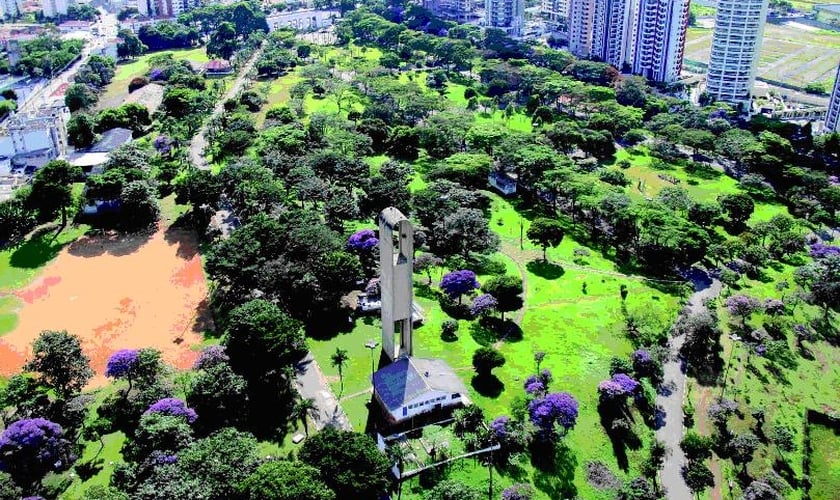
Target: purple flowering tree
173, 407
483, 305
30, 448
558, 410
519, 491
742, 306
821, 250
211, 357
362, 241
457, 283
499, 427
123, 364
157, 74
163, 144
617, 388
534, 386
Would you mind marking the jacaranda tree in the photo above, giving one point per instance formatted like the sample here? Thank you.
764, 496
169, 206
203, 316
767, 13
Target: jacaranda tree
457, 283
30, 448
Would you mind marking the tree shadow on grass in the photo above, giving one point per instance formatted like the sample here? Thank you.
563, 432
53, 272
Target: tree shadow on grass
544, 269
488, 386
555, 474
482, 334
41, 248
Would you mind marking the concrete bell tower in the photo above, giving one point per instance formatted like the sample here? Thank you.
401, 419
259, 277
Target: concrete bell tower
396, 263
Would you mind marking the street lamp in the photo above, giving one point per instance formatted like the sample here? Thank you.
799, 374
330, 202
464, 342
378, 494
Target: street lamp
372, 344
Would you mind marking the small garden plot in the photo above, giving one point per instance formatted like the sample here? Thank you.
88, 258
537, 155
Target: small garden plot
823, 458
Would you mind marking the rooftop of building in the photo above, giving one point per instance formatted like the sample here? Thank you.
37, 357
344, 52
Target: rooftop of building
408, 378
111, 140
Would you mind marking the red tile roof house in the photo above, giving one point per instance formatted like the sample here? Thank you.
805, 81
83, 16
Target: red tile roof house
218, 67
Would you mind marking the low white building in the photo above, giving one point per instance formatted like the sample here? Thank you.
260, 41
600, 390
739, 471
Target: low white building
410, 387
43, 129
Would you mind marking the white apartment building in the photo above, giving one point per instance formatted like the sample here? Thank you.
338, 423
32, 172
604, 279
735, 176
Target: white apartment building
555, 12
54, 8
602, 29
613, 30
736, 43
832, 118
456, 10
580, 27
660, 39
508, 15
166, 8
42, 130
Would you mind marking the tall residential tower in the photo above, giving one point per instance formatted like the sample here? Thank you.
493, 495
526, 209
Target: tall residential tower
660, 39
508, 15
736, 43
832, 118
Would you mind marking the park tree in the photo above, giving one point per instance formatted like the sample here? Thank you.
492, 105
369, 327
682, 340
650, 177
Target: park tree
338, 360
698, 477
742, 448
16, 220
223, 41
696, 446
507, 290
457, 283
464, 231
349, 463
285, 480
451, 489
425, 263
61, 365
139, 206
157, 433
30, 448
822, 279
8, 489
79, 96
545, 233
216, 392
52, 189
102, 492
130, 46
220, 462
260, 338
702, 344
81, 130
485, 359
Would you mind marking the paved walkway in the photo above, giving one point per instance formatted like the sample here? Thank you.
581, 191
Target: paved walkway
672, 394
312, 384
199, 143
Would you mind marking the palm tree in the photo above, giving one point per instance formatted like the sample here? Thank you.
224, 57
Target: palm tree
301, 410
338, 359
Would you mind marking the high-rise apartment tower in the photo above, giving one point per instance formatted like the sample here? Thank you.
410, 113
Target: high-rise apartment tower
508, 15
659, 44
736, 43
832, 118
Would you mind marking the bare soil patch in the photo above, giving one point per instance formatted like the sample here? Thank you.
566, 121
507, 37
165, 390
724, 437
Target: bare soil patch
117, 292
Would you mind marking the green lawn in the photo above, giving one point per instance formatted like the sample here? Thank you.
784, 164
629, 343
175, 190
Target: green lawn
126, 71
579, 330
20, 264
824, 462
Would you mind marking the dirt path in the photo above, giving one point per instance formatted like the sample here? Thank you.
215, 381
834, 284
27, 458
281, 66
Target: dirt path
670, 398
117, 292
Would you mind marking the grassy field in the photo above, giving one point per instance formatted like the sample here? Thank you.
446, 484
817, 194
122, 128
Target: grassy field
789, 54
824, 462
573, 314
126, 71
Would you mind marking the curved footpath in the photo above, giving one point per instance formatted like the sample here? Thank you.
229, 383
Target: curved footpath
670, 398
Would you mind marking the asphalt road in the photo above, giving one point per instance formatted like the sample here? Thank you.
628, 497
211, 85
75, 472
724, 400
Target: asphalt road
313, 385
671, 396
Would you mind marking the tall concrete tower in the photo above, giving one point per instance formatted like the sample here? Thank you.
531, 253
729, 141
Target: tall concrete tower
832, 118
660, 39
736, 43
396, 263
